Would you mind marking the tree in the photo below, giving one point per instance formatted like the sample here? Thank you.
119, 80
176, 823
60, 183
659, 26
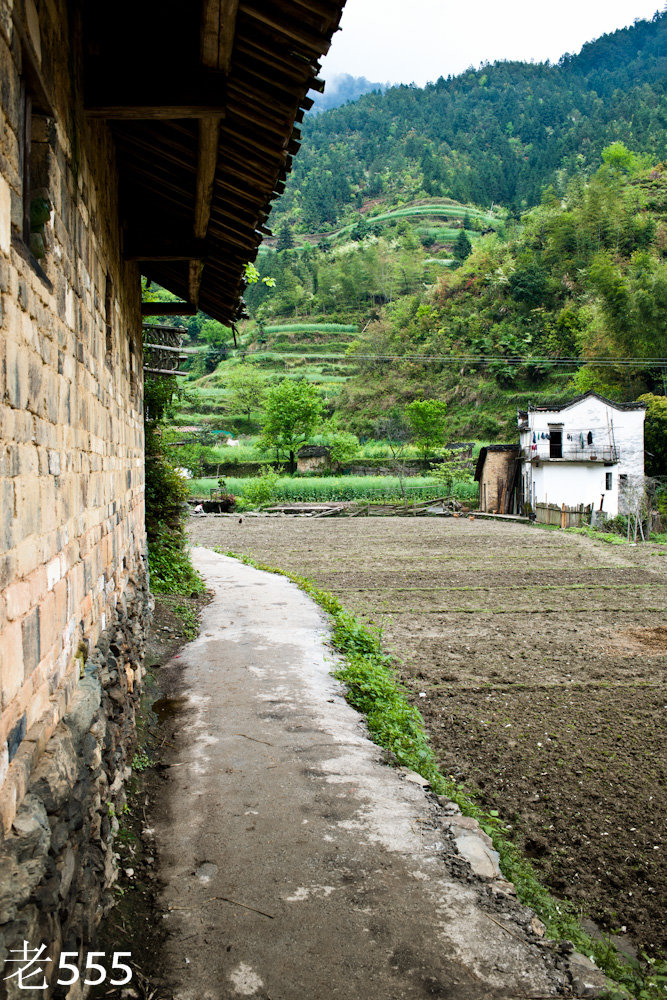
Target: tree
246, 389
393, 428
216, 337
292, 410
655, 433
285, 239
426, 418
344, 447
462, 246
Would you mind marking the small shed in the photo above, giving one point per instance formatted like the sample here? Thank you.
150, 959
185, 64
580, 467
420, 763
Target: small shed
498, 475
313, 458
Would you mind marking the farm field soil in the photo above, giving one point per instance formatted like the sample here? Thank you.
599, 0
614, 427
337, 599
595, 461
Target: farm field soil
537, 659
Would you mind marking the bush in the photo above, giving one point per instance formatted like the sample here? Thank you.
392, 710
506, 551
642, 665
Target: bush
260, 491
165, 496
170, 567
615, 525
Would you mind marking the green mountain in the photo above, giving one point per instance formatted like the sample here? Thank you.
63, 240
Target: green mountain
498, 134
403, 290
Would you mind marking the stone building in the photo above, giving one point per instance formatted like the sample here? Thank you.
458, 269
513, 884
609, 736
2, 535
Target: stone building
313, 458
497, 474
135, 139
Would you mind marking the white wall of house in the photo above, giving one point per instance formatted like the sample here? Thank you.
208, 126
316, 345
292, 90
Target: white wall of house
599, 440
574, 483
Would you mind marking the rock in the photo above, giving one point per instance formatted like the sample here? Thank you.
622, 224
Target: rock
482, 859
448, 807
503, 888
55, 774
31, 822
412, 776
65, 868
85, 704
587, 980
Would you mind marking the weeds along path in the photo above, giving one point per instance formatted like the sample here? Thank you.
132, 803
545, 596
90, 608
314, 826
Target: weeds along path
538, 661
295, 864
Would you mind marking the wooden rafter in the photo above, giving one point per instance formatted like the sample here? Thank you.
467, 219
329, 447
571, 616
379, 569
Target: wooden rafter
164, 248
196, 194
168, 309
207, 158
218, 27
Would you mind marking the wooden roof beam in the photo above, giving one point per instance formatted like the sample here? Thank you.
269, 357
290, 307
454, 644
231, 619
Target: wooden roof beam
168, 309
311, 40
149, 99
218, 29
140, 248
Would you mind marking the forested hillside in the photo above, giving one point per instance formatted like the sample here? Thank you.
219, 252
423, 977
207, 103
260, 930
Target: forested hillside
496, 134
405, 292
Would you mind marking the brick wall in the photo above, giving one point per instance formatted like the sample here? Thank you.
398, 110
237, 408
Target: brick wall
71, 428
496, 467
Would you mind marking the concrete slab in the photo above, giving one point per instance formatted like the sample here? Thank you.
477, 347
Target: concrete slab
297, 865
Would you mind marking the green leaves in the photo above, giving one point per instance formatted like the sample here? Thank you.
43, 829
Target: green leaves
426, 418
292, 410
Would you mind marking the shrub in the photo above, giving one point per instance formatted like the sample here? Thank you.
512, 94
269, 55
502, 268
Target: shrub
260, 491
166, 493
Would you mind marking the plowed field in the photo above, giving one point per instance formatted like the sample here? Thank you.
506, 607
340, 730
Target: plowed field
538, 661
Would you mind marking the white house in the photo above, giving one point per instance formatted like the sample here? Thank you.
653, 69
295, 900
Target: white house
589, 451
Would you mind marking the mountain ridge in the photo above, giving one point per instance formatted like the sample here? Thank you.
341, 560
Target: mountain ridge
500, 133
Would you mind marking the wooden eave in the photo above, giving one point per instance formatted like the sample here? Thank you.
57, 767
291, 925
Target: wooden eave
204, 121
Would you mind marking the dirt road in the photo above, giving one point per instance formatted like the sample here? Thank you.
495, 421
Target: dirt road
538, 660
296, 864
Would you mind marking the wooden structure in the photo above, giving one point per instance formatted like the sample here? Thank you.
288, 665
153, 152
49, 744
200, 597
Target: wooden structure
498, 474
205, 115
562, 515
162, 350
145, 138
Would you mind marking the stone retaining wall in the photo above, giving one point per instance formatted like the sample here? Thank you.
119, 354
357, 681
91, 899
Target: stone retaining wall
57, 862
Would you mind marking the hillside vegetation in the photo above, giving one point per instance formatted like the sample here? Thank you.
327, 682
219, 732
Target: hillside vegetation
404, 292
498, 134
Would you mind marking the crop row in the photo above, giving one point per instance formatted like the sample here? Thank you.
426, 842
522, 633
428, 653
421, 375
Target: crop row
340, 488
312, 328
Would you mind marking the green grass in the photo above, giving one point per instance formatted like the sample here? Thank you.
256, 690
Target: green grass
441, 233
189, 621
393, 723
305, 489
312, 328
438, 211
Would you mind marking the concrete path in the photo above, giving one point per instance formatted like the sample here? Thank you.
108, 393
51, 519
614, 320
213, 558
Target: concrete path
297, 865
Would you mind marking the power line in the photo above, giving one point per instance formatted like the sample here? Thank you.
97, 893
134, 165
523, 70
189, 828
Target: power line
476, 359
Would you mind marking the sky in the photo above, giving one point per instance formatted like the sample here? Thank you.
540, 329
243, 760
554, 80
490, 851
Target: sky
414, 41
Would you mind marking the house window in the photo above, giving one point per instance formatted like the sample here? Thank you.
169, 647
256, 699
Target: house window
608, 480
35, 139
555, 442
108, 317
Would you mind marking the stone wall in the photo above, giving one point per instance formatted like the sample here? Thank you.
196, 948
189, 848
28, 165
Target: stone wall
72, 542
57, 861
